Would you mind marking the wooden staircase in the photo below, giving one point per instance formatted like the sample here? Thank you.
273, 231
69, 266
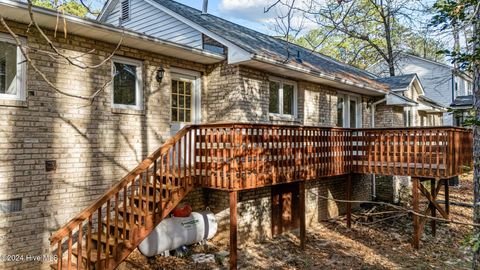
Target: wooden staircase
105, 233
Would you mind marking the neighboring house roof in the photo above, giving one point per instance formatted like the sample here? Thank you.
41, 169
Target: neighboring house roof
403, 83
396, 99
458, 72
48, 18
430, 105
462, 102
265, 48
398, 83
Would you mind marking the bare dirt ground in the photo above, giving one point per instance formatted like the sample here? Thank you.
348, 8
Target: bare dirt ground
370, 244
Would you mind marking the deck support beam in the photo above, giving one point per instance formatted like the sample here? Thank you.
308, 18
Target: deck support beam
233, 229
302, 214
433, 223
415, 205
432, 208
349, 198
446, 183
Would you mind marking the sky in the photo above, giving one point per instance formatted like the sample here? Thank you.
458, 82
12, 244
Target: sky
249, 13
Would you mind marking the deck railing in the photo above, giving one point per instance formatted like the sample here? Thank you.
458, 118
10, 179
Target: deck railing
418, 152
244, 156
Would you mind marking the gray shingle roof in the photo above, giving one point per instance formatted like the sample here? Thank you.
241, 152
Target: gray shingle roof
274, 48
462, 101
400, 82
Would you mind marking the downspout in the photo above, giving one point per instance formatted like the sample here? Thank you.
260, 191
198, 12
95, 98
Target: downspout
372, 110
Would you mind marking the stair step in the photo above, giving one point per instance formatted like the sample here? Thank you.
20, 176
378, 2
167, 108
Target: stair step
111, 239
120, 224
93, 255
136, 211
65, 266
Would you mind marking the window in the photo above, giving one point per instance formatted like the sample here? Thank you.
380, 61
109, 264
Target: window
468, 88
283, 97
127, 84
340, 112
456, 87
125, 16
182, 104
10, 206
12, 70
349, 113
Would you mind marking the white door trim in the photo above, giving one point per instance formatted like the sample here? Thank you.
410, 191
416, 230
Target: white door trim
196, 78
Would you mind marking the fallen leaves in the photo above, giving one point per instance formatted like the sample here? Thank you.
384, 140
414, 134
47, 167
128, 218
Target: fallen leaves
374, 242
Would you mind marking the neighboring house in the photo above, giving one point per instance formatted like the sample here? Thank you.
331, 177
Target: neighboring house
441, 82
420, 111
415, 110
177, 66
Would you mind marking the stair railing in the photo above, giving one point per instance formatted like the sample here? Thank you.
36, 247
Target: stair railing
169, 169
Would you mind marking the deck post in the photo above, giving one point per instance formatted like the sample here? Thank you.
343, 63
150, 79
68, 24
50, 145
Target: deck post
349, 197
233, 230
302, 214
447, 195
433, 224
416, 221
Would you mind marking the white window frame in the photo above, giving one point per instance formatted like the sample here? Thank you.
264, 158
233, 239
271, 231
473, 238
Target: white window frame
346, 109
195, 78
138, 85
282, 81
21, 77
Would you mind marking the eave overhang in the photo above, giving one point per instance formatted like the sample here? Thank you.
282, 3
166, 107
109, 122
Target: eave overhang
18, 12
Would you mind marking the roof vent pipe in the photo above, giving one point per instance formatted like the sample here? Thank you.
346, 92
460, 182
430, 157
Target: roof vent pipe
205, 7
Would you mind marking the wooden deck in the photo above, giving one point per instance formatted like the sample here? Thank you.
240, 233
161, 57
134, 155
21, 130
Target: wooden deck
234, 157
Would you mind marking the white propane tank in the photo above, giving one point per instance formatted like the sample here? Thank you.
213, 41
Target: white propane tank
175, 232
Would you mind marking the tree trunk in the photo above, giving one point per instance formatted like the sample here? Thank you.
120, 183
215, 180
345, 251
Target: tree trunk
476, 134
456, 42
388, 38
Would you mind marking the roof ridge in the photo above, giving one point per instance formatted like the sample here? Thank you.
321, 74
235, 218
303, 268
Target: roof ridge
306, 50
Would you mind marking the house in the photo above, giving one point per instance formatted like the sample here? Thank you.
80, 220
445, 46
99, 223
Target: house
196, 110
415, 110
441, 82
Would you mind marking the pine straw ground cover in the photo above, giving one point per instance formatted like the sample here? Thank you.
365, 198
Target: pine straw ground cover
373, 243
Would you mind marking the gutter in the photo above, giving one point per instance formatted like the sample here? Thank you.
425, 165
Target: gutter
38, 11
372, 110
315, 73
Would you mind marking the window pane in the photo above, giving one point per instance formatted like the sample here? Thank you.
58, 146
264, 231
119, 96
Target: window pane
188, 102
124, 84
353, 113
288, 99
181, 115
340, 112
174, 101
174, 86
174, 115
8, 68
274, 97
181, 101
188, 88
188, 116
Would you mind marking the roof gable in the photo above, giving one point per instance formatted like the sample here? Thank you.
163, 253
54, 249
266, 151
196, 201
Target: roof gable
260, 46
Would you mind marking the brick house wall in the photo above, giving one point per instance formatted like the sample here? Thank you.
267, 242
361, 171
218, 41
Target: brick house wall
388, 116
94, 145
